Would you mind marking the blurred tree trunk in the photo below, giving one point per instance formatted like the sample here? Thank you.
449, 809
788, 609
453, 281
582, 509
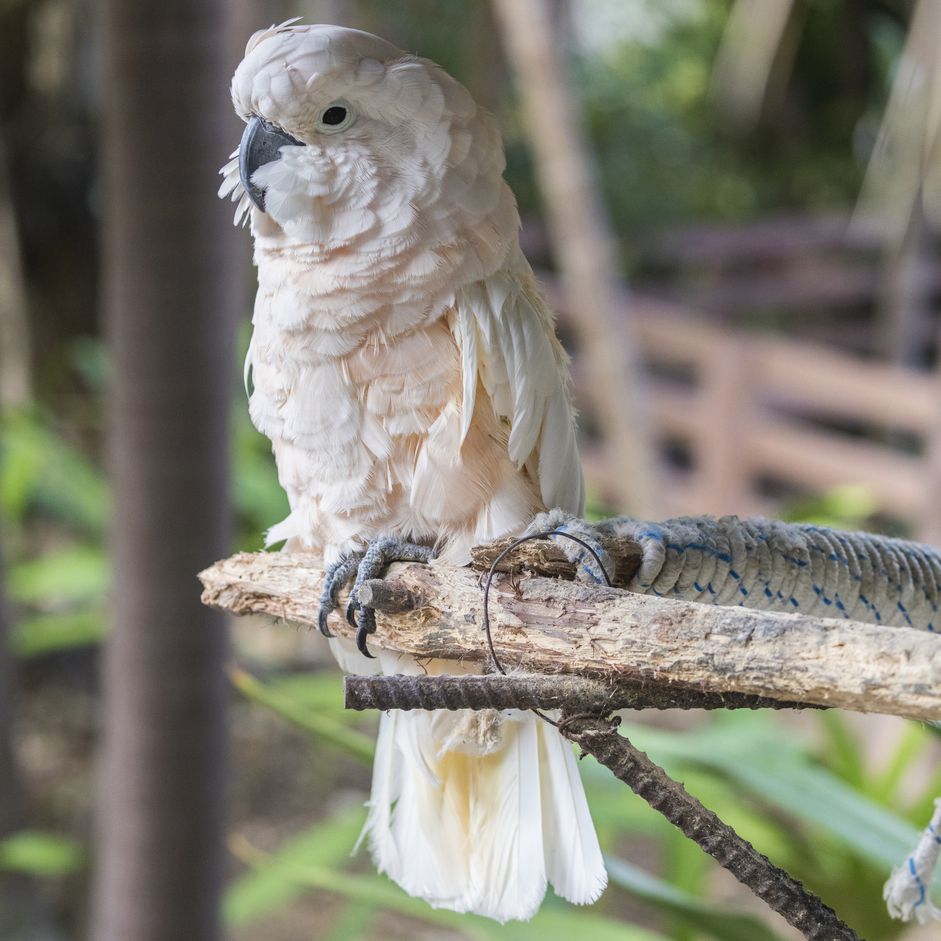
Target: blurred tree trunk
171, 296
583, 249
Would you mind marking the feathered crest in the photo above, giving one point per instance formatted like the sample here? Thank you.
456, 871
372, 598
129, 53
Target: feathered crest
261, 34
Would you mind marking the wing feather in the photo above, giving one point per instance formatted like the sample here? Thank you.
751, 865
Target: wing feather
507, 340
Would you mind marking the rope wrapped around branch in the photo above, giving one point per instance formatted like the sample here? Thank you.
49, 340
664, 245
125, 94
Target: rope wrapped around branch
767, 565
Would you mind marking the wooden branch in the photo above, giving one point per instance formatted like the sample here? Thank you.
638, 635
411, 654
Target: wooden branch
545, 625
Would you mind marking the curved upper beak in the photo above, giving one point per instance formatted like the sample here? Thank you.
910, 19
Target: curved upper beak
261, 143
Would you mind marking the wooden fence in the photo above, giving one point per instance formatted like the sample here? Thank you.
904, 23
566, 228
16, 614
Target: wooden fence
746, 420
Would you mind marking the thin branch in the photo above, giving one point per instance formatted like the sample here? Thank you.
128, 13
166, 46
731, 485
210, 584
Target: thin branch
551, 626
779, 890
574, 693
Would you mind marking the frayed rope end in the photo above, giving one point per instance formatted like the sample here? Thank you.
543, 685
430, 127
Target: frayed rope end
906, 892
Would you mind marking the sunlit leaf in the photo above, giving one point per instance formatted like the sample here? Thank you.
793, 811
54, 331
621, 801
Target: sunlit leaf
38, 635
885, 784
321, 690
40, 854
68, 575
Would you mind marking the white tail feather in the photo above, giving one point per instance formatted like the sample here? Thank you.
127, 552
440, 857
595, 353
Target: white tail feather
575, 866
483, 826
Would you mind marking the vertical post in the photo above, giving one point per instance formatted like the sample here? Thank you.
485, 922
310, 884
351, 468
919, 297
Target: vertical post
171, 298
928, 526
722, 471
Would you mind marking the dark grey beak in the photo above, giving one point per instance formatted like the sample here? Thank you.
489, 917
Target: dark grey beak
261, 143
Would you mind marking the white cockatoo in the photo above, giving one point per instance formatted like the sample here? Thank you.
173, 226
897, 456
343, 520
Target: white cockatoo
406, 370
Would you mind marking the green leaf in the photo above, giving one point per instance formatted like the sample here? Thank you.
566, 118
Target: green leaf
845, 507
704, 917
271, 883
321, 691
843, 753
39, 468
355, 922
40, 854
558, 923
912, 744
60, 577
256, 492
49, 633
555, 921
819, 798
779, 772
323, 727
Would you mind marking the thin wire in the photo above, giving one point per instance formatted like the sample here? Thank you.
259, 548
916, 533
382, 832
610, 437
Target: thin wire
493, 570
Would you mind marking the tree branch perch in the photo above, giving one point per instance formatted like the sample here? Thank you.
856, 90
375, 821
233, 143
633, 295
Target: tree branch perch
552, 626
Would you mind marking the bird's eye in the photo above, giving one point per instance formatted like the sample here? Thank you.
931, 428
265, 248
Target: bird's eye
335, 117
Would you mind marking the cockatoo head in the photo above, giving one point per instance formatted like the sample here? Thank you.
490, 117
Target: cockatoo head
349, 139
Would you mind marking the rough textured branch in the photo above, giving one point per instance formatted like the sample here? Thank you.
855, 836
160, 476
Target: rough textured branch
521, 691
804, 910
546, 625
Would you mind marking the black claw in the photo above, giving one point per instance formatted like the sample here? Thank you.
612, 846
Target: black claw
336, 577
365, 565
361, 636
322, 616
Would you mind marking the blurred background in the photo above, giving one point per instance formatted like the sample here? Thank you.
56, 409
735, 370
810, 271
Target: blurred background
733, 204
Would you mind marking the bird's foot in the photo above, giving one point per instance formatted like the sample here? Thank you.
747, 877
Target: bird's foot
336, 576
379, 555
586, 549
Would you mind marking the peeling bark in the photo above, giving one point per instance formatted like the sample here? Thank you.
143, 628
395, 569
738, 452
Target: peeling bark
547, 625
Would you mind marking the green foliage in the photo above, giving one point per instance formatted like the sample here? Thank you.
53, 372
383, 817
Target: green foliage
256, 494
316, 861
37, 635
35, 853
52, 486
331, 730
62, 576
848, 507
41, 472
58, 583
705, 918
270, 883
840, 835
